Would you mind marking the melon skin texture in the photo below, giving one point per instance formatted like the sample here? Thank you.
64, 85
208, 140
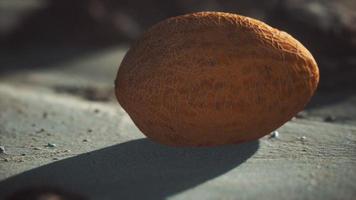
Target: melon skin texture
212, 78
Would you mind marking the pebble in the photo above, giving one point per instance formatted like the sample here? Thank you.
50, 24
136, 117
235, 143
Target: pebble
85, 140
55, 158
301, 115
51, 145
329, 118
274, 134
37, 148
2, 149
303, 138
89, 130
96, 110
40, 131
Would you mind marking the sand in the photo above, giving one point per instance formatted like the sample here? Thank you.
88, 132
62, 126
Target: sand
60, 126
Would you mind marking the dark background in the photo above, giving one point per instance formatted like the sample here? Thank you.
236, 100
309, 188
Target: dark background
37, 32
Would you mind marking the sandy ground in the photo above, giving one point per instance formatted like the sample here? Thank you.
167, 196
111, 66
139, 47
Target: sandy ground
60, 126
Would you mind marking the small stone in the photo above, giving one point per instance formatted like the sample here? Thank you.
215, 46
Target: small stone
89, 130
303, 138
67, 150
55, 158
6, 160
37, 148
301, 115
85, 140
52, 145
23, 154
96, 110
329, 118
2, 149
40, 131
274, 134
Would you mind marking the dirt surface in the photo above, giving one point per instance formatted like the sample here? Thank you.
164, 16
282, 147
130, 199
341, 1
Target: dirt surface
60, 126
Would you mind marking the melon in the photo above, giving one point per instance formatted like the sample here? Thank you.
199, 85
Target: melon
213, 78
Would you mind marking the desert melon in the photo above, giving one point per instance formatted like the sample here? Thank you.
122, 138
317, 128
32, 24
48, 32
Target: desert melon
213, 78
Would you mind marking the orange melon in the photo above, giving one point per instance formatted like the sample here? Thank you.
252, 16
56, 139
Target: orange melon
213, 78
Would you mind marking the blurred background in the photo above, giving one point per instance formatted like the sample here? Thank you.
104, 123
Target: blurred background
40, 33
58, 62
